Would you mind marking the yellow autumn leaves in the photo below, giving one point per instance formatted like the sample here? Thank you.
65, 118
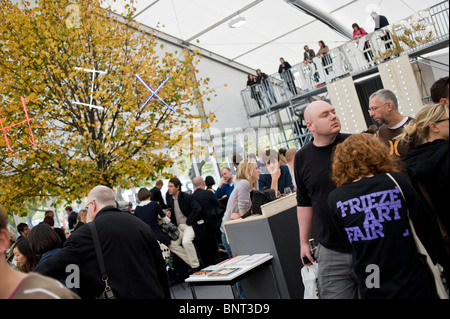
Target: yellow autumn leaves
78, 147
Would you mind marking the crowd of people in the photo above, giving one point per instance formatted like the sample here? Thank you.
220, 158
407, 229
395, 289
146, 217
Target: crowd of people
259, 83
355, 212
352, 207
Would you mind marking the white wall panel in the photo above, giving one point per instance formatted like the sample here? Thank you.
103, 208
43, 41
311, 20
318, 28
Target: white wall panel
344, 98
398, 76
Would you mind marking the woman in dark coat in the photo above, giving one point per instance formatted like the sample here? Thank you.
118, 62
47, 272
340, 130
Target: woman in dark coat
428, 164
254, 90
285, 73
148, 211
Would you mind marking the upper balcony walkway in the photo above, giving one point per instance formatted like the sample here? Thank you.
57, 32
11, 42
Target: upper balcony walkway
423, 32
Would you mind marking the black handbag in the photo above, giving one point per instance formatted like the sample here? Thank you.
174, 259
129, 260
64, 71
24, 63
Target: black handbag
107, 293
259, 198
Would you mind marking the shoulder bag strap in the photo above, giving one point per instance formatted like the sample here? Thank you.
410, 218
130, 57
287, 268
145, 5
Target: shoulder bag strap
108, 293
98, 250
435, 269
416, 239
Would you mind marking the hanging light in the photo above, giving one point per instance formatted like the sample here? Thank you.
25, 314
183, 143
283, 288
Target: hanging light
236, 22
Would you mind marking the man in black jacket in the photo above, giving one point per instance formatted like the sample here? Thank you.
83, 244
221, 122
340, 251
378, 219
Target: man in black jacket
71, 217
156, 194
132, 255
212, 214
381, 22
263, 79
185, 212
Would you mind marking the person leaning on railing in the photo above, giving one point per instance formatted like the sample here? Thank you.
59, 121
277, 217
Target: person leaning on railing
323, 54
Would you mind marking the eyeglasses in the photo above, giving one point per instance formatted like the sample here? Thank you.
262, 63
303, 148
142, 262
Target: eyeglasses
442, 120
373, 109
87, 206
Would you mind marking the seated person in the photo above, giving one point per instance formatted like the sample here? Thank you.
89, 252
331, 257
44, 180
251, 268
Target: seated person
267, 177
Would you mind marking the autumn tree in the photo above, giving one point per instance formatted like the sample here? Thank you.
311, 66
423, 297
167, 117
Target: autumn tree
82, 130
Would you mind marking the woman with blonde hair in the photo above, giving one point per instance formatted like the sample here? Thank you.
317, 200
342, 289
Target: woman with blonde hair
247, 177
81, 219
428, 164
372, 214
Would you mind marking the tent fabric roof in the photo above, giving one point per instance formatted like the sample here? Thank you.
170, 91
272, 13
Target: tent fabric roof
273, 28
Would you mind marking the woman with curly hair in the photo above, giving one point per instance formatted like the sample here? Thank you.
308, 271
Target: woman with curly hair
369, 209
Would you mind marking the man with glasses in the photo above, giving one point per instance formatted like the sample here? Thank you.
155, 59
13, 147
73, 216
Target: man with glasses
131, 253
383, 108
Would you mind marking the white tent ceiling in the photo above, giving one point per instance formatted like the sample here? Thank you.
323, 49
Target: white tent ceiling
273, 28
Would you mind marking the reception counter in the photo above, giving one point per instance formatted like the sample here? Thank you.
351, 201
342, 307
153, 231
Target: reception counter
275, 232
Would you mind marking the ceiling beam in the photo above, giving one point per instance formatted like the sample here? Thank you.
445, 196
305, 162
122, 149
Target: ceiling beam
182, 44
145, 9
293, 30
273, 40
322, 16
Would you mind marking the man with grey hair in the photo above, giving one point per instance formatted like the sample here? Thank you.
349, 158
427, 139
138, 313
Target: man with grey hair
131, 253
381, 22
99, 197
383, 108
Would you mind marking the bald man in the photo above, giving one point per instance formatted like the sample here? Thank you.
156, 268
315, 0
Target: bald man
312, 168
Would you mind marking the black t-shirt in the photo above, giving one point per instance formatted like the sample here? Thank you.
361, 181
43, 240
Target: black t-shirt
374, 217
312, 167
